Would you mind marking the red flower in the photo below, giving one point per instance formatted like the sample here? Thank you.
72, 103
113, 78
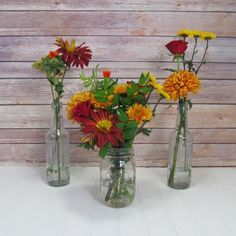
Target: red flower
72, 54
53, 54
106, 73
177, 47
81, 111
101, 128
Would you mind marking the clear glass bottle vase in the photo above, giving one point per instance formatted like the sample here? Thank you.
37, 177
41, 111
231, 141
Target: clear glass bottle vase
180, 151
57, 149
117, 177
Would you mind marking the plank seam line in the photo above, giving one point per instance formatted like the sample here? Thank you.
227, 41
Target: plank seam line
117, 10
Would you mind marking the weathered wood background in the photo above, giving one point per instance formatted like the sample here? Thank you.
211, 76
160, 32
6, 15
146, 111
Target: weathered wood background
127, 36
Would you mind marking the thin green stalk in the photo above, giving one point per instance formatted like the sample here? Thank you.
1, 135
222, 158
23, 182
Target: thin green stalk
176, 148
57, 114
194, 49
153, 111
203, 58
184, 54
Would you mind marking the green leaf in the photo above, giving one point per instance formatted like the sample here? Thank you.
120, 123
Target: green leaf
144, 131
129, 134
190, 104
129, 92
134, 87
101, 99
142, 79
131, 124
122, 115
106, 83
121, 125
99, 93
146, 90
103, 151
115, 100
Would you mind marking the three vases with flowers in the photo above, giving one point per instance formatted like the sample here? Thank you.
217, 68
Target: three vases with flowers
112, 114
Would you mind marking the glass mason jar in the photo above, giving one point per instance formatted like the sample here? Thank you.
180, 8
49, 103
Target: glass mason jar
57, 149
117, 177
180, 151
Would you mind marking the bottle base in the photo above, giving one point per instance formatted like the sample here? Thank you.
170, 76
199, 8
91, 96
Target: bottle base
58, 183
180, 180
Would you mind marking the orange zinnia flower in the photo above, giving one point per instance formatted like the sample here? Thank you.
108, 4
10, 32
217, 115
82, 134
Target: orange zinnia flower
106, 73
73, 55
139, 113
180, 84
53, 54
101, 128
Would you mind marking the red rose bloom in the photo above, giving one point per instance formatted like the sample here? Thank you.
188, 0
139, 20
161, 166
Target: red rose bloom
106, 73
177, 47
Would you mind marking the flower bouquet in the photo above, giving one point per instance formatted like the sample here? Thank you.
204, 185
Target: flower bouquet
178, 85
111, 115
55, 66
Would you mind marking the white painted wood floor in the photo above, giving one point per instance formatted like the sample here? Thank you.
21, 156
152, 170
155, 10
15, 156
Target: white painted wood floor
29, 207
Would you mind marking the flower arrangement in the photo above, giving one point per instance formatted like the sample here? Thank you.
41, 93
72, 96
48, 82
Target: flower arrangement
54, 67
182, 82
111, 114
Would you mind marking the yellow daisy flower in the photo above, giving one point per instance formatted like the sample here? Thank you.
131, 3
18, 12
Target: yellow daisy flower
185, 33
208, 35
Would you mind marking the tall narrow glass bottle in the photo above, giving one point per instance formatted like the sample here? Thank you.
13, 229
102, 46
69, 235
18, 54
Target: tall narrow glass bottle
180, 151
57, 149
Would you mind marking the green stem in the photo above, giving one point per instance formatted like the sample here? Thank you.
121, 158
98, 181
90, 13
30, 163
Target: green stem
153, 111
194, 49
176, 147
57, 134
178, 67
203, 58
184, 54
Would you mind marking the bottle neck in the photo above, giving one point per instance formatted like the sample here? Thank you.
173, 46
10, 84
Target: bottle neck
182, 116
57, 121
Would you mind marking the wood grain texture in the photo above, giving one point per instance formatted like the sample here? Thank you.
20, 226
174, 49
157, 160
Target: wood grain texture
117, 5
157, 136
145, 154
132, 70
201, 116
113, 48
113, 23
127, 37
22, 91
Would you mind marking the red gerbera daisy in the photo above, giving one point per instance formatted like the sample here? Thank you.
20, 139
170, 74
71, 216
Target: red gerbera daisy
72, 54
102, 128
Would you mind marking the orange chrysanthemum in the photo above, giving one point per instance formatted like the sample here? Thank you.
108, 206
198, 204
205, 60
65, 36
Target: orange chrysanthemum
102, 129
180, 84
74, 101
120, 88
98, 104
140, 113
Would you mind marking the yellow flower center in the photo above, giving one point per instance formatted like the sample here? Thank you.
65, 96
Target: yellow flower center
104, 125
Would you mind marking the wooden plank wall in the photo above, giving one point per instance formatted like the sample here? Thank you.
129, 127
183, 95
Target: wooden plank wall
127, 36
